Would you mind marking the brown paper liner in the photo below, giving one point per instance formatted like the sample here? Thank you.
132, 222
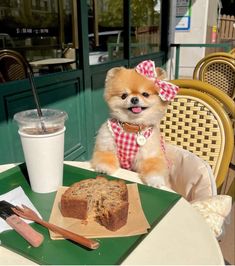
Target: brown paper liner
137, 223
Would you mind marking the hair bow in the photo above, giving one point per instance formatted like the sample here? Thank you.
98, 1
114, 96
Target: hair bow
167, 90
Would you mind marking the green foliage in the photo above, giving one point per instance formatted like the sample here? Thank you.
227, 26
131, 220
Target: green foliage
143, 14
110, 13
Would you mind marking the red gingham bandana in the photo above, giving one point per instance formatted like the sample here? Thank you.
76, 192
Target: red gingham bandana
167, 90
126, 143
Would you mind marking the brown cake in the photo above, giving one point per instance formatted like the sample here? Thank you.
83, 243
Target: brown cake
108, 199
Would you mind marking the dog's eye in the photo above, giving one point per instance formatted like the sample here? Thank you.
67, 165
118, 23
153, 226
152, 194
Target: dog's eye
145, 94
124, 95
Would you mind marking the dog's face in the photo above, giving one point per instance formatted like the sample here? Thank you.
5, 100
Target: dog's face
132, 97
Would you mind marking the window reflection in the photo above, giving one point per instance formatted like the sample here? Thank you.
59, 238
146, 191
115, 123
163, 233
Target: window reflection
41, 29
38, 29
105, 30
145, 22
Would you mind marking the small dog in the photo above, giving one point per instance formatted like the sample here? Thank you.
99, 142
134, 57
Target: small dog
131, 138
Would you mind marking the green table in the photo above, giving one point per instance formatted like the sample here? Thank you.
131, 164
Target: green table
156, 203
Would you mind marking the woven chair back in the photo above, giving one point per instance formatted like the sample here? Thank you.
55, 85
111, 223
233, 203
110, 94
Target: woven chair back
198, 123
13, 66
220, 96
217, 69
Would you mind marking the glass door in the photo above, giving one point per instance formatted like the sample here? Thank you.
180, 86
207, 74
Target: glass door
105, 22
145, 27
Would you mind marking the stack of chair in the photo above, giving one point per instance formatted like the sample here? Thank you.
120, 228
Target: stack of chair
217, 69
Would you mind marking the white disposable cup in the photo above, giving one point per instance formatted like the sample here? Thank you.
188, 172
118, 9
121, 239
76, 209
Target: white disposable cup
44, 156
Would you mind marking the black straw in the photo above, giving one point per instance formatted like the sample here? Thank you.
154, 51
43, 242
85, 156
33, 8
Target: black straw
35, 96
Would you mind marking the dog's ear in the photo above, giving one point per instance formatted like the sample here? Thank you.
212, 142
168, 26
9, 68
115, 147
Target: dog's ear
112, 73
111, 76
161, 73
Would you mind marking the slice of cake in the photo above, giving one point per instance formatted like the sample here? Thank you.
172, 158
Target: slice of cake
107, 199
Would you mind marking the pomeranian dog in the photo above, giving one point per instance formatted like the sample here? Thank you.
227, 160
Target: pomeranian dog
131, 137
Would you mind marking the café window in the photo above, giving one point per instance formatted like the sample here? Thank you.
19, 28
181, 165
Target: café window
106, 28
41, 29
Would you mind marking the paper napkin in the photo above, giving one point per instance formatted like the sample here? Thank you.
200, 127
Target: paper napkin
18, 197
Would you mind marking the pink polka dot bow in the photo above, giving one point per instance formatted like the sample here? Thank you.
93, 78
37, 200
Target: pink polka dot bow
167, 90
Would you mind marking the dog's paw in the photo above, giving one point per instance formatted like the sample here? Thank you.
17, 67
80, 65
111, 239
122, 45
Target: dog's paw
104, 169
156, 181
105, 162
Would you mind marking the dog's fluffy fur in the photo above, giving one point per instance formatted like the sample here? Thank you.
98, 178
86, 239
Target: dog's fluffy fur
121, 86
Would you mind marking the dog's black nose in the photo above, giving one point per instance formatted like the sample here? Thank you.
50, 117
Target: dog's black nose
134, 100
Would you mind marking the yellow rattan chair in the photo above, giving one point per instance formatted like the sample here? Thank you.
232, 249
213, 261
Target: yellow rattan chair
198, 123
217, 69
227, 103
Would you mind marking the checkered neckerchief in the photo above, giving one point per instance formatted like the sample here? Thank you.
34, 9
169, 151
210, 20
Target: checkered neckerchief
126, 143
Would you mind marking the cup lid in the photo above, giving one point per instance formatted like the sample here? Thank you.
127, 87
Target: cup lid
48, 116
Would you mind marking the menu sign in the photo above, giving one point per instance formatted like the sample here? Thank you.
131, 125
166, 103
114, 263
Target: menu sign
183, 15
32, 31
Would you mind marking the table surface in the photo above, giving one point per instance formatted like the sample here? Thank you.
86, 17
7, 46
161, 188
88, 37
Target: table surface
52, 61
182, 237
